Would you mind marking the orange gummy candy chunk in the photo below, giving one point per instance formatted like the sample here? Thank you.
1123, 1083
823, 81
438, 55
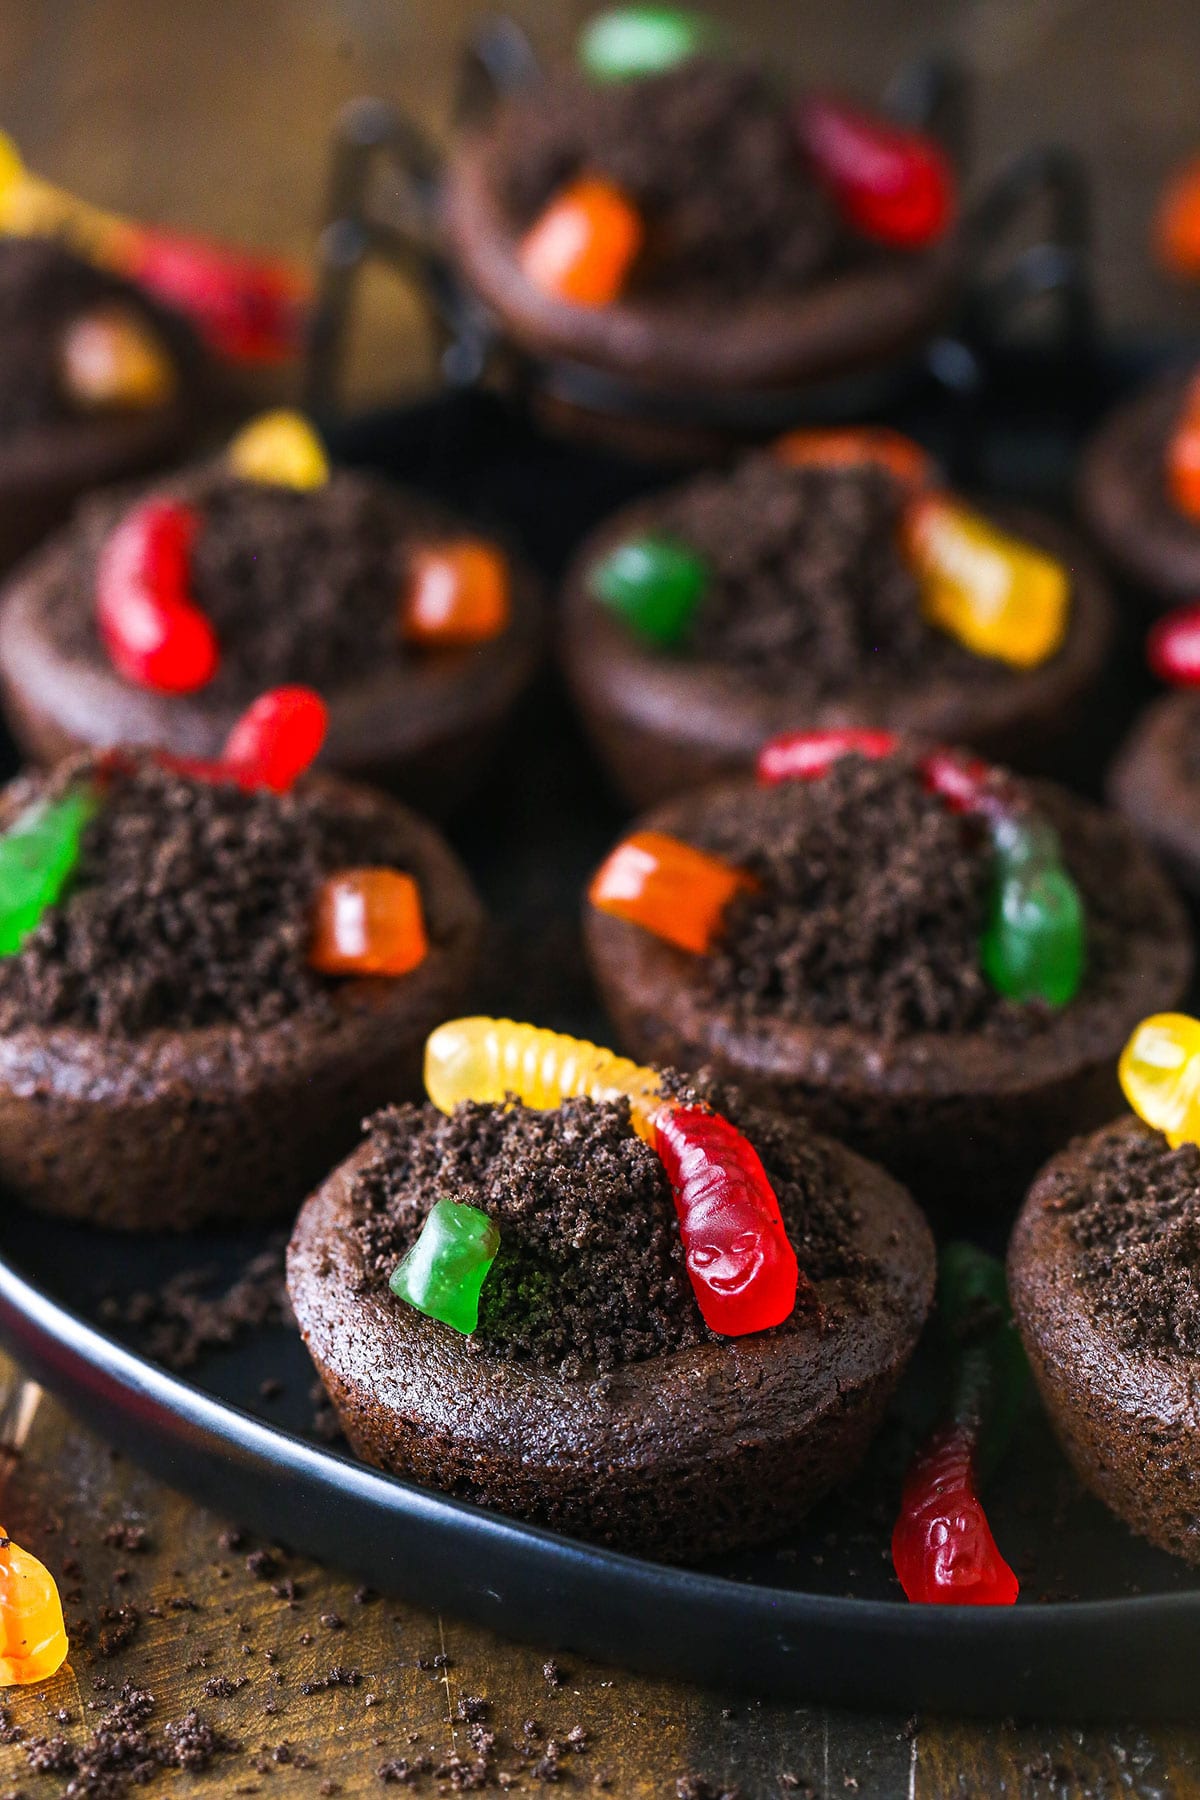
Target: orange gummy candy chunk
850, 446
1183, 455
457, 594
1176, 234
33, 1638
583, 245
368, 922
668, 888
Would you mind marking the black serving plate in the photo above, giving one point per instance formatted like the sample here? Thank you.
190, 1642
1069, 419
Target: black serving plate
1106, 1627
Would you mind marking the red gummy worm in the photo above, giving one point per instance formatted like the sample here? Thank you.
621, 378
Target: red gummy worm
1173, 646
277, 738
153, 633
803, 755
890, 183
942, 1546
741, 1266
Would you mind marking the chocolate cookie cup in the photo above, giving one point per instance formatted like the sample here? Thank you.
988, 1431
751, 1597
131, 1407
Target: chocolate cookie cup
1155, 783
304, 578
98, 383
591, 1396
1126, 502
1102, 1276
736, 267
848, 974
169, 1054
810, 616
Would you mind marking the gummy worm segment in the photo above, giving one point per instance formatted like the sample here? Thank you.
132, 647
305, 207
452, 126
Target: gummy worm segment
485, 1060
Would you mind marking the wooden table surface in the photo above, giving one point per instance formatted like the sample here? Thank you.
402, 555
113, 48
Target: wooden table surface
214, 114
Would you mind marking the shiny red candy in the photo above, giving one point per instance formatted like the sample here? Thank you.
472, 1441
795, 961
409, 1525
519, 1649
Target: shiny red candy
276, 739
803, 755
893, 185
249, 309
742, 1269
152, 632
1173, 646
942, 1547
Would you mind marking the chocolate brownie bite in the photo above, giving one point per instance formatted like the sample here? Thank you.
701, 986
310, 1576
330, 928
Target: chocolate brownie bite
870, 959
175, 1046
1102, 1273
419, 635
1155, 783
807, 610
590, 1395
680, 228
97, 383
1135, 494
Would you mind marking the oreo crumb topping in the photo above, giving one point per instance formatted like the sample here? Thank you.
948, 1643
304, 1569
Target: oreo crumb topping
873, 898
299, 586
707, 153
43, 289
590, 1272
189, 906
1135, 1219
809, 588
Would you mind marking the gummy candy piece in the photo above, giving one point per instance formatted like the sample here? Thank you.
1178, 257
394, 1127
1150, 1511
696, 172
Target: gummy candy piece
1159, 1073
112, 361
248, 308
998, 596
276, 739
853, 446
804, 755
1173, 646
280, 449
669, 888
967, 784
583, 245
633, 41
1183, 455
891, 184
943, 1550
1023, 842
38, 854
457, 594
485, 1060
1033, 943
654, 583
152, 632
1176, 232
942, 1545
33, 1638
741, 1266
444, 1272
368, 922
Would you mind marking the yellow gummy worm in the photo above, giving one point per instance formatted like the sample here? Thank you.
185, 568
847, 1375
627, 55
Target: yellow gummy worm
33, 1638
485, 1059
1159, 1072
280, 449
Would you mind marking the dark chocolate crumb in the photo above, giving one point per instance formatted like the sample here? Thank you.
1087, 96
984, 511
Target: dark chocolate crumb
873, 897
1135, 1219
211, 885
191, 1314
590, 1269
808, 589
338, 1676
707, 150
